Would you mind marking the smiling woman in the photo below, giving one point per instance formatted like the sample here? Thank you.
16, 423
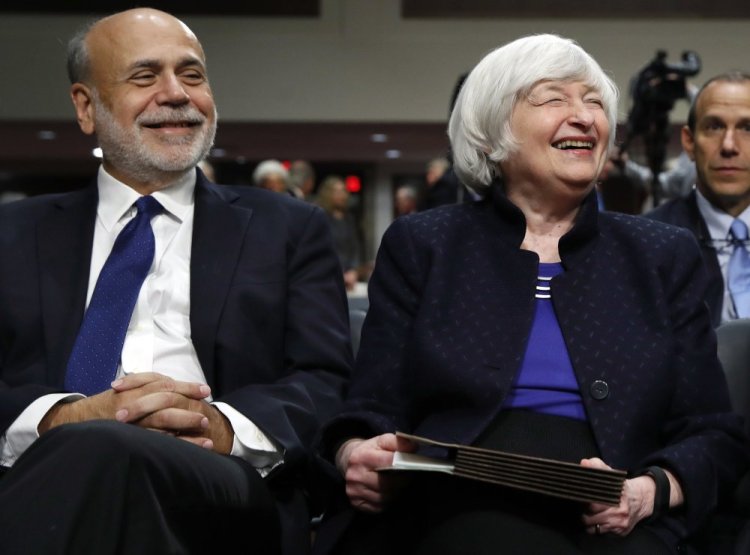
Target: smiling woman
529, 322
563, 131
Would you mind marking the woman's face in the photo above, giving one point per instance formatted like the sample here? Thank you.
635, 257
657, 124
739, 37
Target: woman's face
273, 182
339, 196
563, 135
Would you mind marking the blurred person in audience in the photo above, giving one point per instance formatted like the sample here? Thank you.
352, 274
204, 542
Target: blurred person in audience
618, 189
436, 168
168, 346
675, 182
333, 198
717, 210
405, 200
302, 177
533, 323
441, 185
273, 176
679, 178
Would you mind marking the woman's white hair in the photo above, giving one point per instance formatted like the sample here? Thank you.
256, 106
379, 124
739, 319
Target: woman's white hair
479, 127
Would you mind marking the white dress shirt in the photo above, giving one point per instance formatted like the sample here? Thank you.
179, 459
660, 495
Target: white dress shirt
719, 224
158, 337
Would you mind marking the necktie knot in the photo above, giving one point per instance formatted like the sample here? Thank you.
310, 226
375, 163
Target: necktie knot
149, 206
738, 230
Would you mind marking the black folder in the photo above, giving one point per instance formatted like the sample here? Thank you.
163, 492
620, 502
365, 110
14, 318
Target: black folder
546, 476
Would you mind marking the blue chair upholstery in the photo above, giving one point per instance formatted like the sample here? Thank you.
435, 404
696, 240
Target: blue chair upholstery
356, 319
728, 536
734, 352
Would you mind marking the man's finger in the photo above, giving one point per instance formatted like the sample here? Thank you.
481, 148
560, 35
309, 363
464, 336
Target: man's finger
140, 407
176, 420
134, 381
203, 442
152, 382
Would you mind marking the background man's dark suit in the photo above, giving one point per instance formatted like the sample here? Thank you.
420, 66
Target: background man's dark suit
268, 310
684, 212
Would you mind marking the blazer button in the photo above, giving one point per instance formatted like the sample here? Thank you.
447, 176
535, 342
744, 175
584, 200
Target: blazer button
599, 390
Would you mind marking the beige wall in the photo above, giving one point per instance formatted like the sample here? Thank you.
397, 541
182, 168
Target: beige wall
358, 62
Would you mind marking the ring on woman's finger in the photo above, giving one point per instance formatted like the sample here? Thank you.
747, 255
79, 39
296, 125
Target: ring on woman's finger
598, 529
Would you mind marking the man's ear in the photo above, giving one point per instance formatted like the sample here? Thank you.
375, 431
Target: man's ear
82, 97
688, 142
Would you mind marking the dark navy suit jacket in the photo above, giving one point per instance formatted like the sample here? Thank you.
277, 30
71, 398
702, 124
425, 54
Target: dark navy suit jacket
268, 308
684, 212
451, 307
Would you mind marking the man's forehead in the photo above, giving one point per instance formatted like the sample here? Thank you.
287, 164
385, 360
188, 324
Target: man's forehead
144, 34
728, 99
159, 63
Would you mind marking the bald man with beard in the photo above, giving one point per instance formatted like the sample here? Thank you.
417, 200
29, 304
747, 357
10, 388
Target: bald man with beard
196, 436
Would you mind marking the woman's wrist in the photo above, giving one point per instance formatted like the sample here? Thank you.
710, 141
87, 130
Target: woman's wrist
676, 496
646, 491
662, 491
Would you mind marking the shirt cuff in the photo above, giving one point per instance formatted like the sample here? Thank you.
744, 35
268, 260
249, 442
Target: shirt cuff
24, 430
250, 444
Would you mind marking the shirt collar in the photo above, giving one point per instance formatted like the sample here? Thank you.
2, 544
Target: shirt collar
116, 198
717, 221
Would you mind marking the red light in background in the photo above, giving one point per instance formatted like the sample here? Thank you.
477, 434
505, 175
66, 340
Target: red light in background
353, 184
287, 164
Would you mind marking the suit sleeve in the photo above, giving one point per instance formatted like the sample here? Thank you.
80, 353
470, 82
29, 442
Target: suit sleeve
24, 363
316, 348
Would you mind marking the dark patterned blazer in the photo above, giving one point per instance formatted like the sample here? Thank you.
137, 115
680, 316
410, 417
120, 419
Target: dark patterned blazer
451, 307
684, 212
267, 312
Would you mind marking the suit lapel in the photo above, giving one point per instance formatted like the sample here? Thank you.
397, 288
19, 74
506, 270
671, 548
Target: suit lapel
218, 234
64, 249
715, 293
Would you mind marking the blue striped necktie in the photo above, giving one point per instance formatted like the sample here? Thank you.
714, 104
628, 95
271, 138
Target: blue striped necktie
738, 273
96, 353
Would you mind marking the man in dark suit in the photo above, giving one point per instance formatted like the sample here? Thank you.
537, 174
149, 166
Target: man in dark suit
717, 139
236, 346
442, 185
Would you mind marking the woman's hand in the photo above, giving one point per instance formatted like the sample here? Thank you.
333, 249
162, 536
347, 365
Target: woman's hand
636, 503
357, 460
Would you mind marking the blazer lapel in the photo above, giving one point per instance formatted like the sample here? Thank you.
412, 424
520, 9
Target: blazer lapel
64, 248
218, 234
715, 292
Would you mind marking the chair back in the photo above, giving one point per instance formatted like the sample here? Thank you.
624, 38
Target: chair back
356, 319
734, 353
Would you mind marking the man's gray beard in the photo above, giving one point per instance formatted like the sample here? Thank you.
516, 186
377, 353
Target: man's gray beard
124, 148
